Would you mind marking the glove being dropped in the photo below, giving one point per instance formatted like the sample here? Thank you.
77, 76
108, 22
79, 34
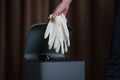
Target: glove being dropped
58, 34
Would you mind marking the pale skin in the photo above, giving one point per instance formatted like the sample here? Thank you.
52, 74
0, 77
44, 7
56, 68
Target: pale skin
61, 8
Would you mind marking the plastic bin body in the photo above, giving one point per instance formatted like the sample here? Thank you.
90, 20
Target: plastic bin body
55, 70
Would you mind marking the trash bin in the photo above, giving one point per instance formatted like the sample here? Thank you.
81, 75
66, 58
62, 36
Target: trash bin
44, 64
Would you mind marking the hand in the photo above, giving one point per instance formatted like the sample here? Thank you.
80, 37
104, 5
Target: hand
61, 8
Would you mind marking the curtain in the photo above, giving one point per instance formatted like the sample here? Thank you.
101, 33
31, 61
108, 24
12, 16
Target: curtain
91, 21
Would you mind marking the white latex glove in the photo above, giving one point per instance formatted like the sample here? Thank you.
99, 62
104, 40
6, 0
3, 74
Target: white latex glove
64, 34
50, 31
65, 29
58, 34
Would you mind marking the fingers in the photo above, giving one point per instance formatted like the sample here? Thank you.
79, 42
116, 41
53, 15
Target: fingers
57, 12
62, 8
65, 11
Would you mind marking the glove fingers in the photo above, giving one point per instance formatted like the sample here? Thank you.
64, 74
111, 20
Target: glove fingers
64, 38
52, 37
64, 27
66, 32
57, 32
56, 42
61, 40
48, 29
57, 48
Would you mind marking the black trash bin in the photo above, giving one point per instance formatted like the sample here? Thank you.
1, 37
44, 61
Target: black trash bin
44, 64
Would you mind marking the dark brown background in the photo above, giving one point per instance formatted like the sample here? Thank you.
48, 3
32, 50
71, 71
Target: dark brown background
91, 20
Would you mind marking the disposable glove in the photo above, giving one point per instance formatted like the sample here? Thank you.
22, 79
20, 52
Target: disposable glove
64, 38
58, 34
50, 31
